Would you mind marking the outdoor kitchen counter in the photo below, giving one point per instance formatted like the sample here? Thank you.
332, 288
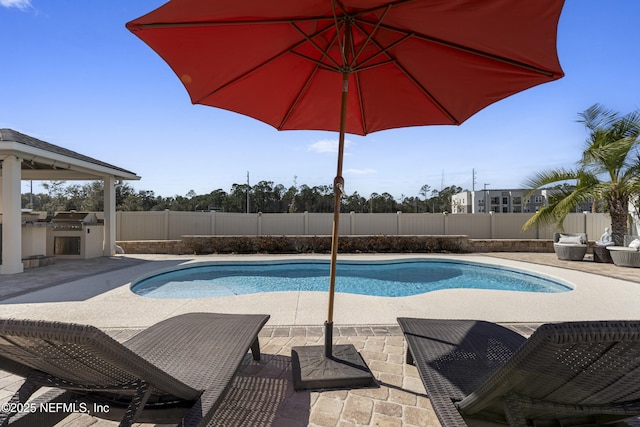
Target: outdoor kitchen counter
34, 239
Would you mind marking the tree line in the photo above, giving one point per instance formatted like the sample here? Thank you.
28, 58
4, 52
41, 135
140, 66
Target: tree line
264, 196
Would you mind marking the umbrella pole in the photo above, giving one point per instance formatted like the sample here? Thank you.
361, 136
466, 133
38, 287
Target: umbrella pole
317, 367
338, 189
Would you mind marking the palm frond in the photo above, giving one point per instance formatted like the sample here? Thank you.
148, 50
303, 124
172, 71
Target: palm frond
612, 143
545, 178
544, 217
598, 117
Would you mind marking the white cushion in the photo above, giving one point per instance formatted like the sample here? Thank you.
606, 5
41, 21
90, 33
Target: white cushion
622, 248
570, 240
635, 244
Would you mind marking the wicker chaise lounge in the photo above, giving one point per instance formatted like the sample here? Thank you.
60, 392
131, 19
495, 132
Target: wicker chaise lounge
584, 372
176, 371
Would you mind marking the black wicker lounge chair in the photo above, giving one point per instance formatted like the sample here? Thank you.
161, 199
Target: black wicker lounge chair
176, 371
578, 372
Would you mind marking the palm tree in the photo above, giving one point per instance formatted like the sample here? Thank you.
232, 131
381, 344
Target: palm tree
609, 171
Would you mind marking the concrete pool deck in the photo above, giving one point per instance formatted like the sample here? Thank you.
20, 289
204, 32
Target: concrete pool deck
97, 292
103, 298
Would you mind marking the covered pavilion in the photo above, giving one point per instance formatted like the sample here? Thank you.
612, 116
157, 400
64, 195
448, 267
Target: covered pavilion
23, 157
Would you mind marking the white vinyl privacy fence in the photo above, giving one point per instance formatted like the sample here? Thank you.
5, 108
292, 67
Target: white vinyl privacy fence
171, 225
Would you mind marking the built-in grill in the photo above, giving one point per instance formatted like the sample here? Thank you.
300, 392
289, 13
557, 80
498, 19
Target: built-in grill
73, 220
75, 235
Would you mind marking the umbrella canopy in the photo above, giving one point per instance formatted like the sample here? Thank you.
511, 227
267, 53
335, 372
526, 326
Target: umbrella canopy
354, 66
411, 62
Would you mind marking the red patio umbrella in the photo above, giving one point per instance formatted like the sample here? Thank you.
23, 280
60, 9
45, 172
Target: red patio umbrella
354, 66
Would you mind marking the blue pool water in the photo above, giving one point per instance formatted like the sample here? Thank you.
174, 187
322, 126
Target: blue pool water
387, 279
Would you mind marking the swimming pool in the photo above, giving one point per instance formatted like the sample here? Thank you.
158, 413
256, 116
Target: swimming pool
379, 278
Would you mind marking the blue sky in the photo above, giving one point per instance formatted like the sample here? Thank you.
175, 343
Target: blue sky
72, 75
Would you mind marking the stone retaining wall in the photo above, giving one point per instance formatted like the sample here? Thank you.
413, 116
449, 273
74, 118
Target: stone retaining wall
174, 247
322, 244
510, 245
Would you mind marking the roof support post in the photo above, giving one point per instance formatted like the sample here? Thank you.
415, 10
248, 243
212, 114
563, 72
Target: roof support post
11, 216
109, 242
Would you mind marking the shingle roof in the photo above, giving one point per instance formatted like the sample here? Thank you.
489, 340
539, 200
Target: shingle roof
12, 135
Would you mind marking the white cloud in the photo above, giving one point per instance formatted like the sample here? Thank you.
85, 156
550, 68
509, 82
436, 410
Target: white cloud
327, 146
19, 4
359, 171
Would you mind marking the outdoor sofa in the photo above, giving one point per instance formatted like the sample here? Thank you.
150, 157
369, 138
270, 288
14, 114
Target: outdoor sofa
585, 373
570, 246
176, 371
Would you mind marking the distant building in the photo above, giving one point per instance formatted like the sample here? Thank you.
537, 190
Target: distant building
497, 201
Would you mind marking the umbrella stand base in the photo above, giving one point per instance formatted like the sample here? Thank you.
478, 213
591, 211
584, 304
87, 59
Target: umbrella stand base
345, 368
